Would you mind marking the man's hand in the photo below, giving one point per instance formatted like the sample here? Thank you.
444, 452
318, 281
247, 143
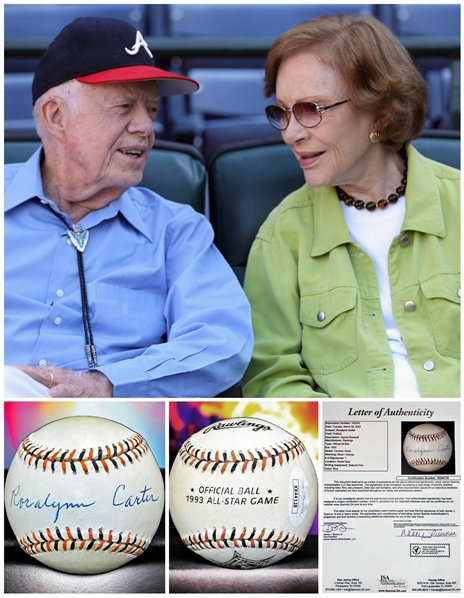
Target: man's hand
63, 383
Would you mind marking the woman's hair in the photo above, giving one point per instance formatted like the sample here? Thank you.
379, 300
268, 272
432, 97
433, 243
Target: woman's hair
378, 70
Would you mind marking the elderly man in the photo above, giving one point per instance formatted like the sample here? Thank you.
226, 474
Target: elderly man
149, 308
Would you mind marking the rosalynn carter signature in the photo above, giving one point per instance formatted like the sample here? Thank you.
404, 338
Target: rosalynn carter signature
427, 533
121, 498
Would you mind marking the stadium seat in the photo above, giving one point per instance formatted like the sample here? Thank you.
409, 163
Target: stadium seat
245, 184
175, 171
47, 20
228, 92
441, 146
225, 95
248, 20
430, 20
437, 73
156, 18
18, 96
16, 152
426, 19
220, 134
18, 104
248, 180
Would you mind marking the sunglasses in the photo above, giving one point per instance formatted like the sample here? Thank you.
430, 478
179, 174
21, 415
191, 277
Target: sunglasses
308, 114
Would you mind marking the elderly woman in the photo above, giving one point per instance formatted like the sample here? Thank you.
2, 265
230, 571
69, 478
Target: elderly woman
354, 278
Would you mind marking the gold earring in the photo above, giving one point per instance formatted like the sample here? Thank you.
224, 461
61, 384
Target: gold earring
374, 137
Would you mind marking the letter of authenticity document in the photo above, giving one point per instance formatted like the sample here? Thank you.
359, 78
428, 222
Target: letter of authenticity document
390, 519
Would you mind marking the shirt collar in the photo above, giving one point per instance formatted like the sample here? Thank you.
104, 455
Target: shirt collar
330, 229
424, 212
26, 183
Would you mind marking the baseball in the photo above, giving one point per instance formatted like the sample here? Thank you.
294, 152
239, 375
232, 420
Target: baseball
84, 495
427, 447
243, 493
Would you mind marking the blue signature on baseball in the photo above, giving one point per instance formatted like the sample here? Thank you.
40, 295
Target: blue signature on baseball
121, 498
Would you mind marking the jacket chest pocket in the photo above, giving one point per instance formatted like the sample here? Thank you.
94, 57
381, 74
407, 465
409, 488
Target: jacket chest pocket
329, 330
443, 299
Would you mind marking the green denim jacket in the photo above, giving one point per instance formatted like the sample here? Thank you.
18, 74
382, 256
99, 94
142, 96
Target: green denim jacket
304, 263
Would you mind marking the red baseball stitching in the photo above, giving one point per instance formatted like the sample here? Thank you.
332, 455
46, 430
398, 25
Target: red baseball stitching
427, 461
54, 541
424, 437
243, 539
224, 460
120, 453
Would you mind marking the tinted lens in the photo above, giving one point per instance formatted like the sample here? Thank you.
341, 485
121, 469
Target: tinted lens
306, 114
277, 117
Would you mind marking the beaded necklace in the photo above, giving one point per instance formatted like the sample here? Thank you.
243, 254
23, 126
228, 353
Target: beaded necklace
382, 203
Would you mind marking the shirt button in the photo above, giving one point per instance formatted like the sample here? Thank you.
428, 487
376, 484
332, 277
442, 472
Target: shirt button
410, 306
68, 241
321, 316
429, 366
459, 292
43, 362
59, 293
57, 321
404, 240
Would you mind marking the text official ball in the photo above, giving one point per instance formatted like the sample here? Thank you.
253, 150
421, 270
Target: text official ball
243, 493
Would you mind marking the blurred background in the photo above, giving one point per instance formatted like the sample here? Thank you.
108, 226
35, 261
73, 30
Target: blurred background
300, 418
24, 417
224, 47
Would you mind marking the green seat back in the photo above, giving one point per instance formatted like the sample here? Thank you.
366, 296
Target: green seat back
442, 149
245, 185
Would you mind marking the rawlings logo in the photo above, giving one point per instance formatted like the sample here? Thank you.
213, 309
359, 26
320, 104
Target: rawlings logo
243, 423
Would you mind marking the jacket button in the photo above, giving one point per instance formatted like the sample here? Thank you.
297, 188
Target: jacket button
321, 316
410, 306
429, 366
404, 240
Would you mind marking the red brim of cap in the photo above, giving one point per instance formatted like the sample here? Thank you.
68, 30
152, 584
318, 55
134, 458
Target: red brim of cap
169, 84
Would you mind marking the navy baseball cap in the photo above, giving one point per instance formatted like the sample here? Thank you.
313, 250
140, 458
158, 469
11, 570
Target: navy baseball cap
96, 50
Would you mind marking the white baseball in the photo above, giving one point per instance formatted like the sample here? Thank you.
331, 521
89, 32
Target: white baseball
427, 447
84, 495
243, 493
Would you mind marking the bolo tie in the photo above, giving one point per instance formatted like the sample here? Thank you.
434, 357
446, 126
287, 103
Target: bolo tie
79, 238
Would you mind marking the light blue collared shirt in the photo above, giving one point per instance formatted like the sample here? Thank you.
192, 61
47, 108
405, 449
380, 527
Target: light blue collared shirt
169, 317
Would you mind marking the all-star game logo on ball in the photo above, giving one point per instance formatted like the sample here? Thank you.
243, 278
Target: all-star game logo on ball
243, 493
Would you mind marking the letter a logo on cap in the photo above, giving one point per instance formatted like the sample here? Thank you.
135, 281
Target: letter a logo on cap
139, 42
